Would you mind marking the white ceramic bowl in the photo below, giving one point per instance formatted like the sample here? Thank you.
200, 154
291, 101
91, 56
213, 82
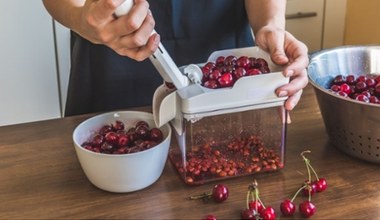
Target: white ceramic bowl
122, 172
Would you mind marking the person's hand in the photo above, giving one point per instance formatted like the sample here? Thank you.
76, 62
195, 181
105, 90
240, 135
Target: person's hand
129, 35
286, 50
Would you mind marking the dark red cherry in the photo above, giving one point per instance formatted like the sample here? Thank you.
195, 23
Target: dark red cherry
226, 80
307, 209
321, 184
211, 84
230, 60
220, 61
156, 135
111, 137
362, 98
254, 71
118, 125
249, 214
239, 72
243, 61
256, 205
350, 79
220, 193
268, 213
123, 140
339, 79
215, 74
287, 207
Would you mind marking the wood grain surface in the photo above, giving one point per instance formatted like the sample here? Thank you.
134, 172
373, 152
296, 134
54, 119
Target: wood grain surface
41, 178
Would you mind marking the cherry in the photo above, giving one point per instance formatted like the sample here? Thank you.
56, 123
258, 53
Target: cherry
307, 209
118, 125
226, 80
255, 209
211, 84
350, 79
219, 194
123, 140
156, 135
111, 137
253, 72
345, 88
249, 214
287, 207
256, 205
339, 80
209, 217
321, 184
268, 213
226, 70
310, 188
362, 98
243, 61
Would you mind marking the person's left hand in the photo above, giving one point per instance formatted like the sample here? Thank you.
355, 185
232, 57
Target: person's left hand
286, 50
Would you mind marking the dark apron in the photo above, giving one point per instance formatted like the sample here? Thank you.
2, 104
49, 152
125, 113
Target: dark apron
101, 80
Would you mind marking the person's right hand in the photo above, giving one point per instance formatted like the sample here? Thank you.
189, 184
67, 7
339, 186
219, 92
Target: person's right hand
129, 35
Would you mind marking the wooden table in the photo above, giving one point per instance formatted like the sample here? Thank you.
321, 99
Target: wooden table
41, 178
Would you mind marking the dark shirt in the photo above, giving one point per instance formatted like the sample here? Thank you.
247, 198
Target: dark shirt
101, 80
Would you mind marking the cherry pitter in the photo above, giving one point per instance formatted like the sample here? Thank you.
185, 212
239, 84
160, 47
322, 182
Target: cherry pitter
224, 132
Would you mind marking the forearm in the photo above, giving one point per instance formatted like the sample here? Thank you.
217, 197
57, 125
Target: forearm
266, 13
66, 12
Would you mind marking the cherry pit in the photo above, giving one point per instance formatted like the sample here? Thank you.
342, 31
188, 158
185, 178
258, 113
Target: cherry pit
225, 71
116, 138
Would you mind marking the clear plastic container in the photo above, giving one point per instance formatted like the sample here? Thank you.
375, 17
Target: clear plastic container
231, 145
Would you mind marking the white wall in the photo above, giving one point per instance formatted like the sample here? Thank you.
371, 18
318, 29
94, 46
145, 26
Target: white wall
28, 76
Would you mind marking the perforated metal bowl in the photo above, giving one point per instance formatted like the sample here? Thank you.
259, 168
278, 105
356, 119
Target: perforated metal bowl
352, 126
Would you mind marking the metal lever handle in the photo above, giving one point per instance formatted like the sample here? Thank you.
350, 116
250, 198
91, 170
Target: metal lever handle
161, 59
301, 15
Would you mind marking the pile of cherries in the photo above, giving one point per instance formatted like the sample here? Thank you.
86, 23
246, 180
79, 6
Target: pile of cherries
115, 138
233, 157
226, 70
364, 88
256, 209
308, 188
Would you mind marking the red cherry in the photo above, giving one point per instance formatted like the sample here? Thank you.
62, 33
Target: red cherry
242, 61
362, 98
239, 72
211, 84
256, 205
118, 125
307, 209
249, 214
254, 71
156, 135
350, 79
287, 207
230, 60
335, 88
220, 60
111, 137
321, 184
123, 140
210, 217
260, 62
97, 140
310, 188
215, 74
226, 80
268, 213
339, 80
220, 193
345, 88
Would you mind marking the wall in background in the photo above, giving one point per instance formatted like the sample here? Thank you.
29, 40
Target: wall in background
362, 25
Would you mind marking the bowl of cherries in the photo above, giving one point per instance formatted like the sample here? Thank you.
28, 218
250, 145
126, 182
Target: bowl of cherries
122, 151
346, 81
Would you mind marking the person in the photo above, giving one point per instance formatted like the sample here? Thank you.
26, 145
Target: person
109, 69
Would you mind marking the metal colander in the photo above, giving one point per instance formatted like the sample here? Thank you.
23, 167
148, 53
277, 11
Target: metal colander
352, 126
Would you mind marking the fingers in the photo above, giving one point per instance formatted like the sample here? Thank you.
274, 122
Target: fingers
141, 53
293, 89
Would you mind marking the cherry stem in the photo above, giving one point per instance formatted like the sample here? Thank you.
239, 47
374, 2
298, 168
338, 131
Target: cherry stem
248, 194
200, 196
308, 166
298, 191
